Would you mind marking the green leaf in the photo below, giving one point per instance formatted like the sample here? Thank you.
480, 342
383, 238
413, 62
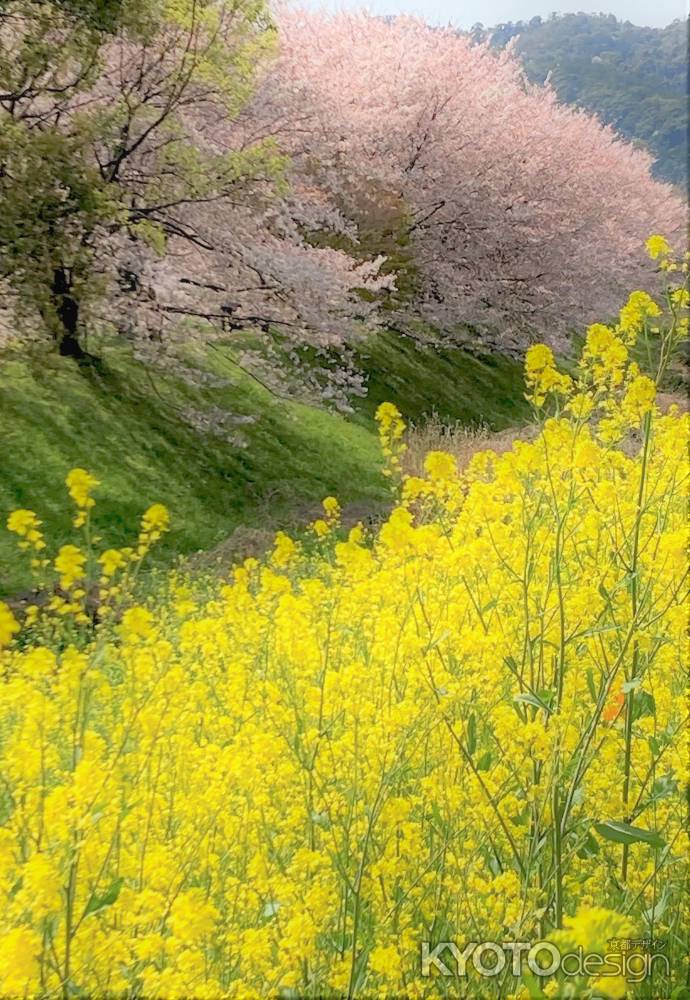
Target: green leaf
624, 833
643, 705
664, 787
436, 815
631, 685
485, 761
528, 698
98, 903
598, 630
590, 847
471, 735
321, 819
73, 990
511, 664
435, 642
656, 913
494, 865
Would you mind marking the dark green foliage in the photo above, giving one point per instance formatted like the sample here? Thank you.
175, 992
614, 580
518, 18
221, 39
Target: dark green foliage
101, 15
448, 381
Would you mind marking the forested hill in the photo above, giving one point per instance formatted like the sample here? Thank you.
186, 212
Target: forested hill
634, 78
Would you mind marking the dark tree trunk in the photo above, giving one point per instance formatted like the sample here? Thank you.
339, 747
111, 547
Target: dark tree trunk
67, 310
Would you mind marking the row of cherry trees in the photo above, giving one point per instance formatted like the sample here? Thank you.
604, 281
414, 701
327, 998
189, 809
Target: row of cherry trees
186, 159
518, 214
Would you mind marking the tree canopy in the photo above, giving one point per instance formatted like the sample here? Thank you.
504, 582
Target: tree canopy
634, 78
100, 144
317, 175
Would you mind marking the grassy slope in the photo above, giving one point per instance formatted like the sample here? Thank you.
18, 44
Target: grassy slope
129, 431
451, 383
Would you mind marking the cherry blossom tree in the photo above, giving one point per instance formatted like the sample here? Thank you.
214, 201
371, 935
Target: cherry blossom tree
132, 192
520, 215
170, 159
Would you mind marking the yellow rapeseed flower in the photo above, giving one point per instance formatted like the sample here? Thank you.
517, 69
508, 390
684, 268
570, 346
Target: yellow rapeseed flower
80, 484
70, 563
111, 560
9, 626
471, 717
657, 246
137, 623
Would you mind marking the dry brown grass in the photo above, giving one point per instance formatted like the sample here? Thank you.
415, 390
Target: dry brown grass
463, 442
458, 440
679, 399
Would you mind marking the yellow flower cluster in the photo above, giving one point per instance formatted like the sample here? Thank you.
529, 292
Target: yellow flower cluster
440, 466
111, 561
609, 387
284, 550
391, 430
639, 308
466, 727
597, 931
541, 375
70, 564
25, 524
73, 565
605, 356
9, 626
657, 246
80, 484
323, 526
440, 493
659, 249
154, 524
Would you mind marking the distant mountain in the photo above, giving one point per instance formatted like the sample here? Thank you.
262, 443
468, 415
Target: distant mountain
634, 78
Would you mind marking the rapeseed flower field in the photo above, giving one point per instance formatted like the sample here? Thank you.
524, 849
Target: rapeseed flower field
467, 726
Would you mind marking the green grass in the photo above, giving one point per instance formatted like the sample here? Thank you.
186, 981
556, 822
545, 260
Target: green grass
448, 381
127, 426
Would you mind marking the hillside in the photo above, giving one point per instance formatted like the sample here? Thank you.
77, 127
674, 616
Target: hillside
277, 460
633, 78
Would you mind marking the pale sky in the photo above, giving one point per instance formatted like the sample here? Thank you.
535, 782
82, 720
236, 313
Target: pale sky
465, 13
